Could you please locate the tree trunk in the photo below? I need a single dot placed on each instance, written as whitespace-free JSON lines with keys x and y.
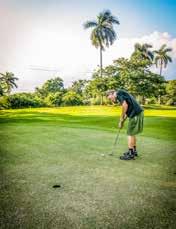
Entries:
{"x":101,"y":61}
{"x":159,"y":99}
{"x":101,"y":99}
{"x":161,"y":67}
{"x":143,"y":100}
{"x":139,"y":98}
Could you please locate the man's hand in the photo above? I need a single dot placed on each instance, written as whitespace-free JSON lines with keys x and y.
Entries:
{"x":121,"y":124}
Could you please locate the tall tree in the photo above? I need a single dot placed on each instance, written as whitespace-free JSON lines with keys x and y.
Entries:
{"x":103,"y":33}
{"x":162,"y":58}
{"x":8,"y":81}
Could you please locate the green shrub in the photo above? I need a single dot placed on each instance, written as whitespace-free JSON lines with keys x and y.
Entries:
{"x":171,"y":102}
{"x":4,"y":103}
{"x":71,"y":98}
{"x":54,"y":99}
{"x":22,"y":100}
{"x":97,"y":101}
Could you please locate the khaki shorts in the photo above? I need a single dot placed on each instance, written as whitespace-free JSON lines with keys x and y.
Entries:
{"x":135,"y":124}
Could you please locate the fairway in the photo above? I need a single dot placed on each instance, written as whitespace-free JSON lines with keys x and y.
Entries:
{"x":43,"y":147}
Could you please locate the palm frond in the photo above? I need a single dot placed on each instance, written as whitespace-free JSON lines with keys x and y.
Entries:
{"x":2,"y":75}
{"x":169,"y":59}
{"x":150,"y":55}
{"x":137,"y":46}
{"x":90,"y":24}
{"x":168,"y":50}
{"x":156,"y":51}
{"x":114,"y":20}
{"x":97,"y":38}
{"x":13,"y":84}
{"x":147,"y":46}
{"x":162,"y":47}
{"x":111,"y":35}
{"x":165,"y":61}
{"x":106,"y":13}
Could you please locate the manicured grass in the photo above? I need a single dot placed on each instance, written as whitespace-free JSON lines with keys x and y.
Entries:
{"x":47,"y":146}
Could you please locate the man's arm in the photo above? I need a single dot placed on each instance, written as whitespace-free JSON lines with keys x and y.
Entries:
{"x":123,"y":116}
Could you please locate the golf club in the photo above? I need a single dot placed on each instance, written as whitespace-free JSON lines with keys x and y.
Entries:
{"x":115,"y":143}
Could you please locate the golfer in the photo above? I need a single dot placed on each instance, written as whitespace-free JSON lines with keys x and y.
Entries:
{"x":134,"y":112}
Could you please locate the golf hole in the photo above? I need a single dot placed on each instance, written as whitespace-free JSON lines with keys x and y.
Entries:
{"x":57,"y":186}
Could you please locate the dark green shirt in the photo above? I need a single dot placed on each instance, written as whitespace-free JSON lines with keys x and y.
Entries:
{"x":133,"y":107}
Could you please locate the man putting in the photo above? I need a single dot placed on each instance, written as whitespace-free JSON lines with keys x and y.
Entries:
{"x":132,"y":110}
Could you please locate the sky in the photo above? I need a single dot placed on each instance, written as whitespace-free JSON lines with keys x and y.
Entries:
{"x":42,"y":39}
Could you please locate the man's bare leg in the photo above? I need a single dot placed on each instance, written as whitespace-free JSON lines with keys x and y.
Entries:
{"x":131,"y":142}
{"x":130,"y":154}
{"x":134,"y":143}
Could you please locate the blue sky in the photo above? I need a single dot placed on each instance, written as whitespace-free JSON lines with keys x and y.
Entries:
{"x":146,"y":15}
{"x":49,"y":34}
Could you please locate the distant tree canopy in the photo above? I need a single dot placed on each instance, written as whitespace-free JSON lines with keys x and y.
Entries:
{"x":79,"y":86}
{"x":170,"y":96}
{"x":50,"y":86}
{"x":137,"y":78}
{"x":133,"y":74}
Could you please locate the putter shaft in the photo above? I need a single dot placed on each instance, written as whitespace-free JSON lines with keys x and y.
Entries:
{"x":115,"y":143}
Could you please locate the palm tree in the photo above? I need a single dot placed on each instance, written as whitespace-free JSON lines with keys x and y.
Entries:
{"x":162,"y":58}
{"x":103,"y":34}
{"x":8,"y":81}
{"x":144,"y":51}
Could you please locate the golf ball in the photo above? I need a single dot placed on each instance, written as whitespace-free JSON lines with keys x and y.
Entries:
{"x":102,"y":155}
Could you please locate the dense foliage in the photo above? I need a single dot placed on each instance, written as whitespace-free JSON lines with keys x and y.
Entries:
{"x":133,"y":74}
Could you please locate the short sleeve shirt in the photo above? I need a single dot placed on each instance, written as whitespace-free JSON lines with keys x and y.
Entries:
{"x":133,"y":106}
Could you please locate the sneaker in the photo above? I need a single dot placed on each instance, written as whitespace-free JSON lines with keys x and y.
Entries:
{"x":135,"y":153}
{"x":127,"y":156}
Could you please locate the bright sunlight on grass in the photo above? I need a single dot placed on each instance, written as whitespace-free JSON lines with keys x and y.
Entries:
{"x":46,"y":146}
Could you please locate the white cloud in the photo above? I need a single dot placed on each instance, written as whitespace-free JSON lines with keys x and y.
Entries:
{"x":28,"y":39}
{"x":125,"y":46}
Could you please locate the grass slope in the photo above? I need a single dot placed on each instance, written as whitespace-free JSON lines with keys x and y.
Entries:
{"x":47,"y":146}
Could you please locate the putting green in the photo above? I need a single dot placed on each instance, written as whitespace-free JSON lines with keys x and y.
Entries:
{"x":43,"y":147}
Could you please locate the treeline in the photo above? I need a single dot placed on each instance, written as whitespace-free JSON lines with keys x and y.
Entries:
{"x":133,"y":74}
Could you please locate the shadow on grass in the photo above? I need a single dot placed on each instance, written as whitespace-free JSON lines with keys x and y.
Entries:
{"x":156,"y":127}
